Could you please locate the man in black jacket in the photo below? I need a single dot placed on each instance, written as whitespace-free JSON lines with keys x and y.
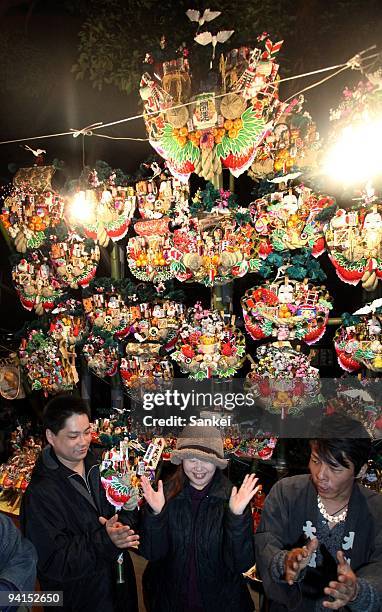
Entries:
{"x":65,"y":513}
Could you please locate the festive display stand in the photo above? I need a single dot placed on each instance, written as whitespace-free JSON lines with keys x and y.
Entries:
{"x":141,"y":332}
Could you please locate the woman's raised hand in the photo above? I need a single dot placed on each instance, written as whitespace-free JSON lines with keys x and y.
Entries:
{"x":155,"y":499}
{"x":240,"y":498}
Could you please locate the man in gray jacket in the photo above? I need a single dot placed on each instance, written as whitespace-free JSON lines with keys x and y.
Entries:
{"x":319,"y":542}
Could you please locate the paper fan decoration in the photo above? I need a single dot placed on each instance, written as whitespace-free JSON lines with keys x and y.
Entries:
{"x":148,"y":254}
{"x":31,"y":207}
{"x":49,"y":364}
{"x":285,"y":219}
{"x":287,"y":309}
{"x":354,"y":244}
{"x":209,"y":345}
{"x":283,"y":380}
{"x":75,"y":260}
{"x":101,"y":352}
{"x":358,"y":342}
{"x":36,"y":282}
{"x":212,"y":131}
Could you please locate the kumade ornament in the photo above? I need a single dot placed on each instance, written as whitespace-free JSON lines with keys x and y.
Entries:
{"x":209,"y":345}
{"x":101,"y":352}
{"x":215,"y":244}
{"x":292,"y":145}
{"x":283,"y":380}
{"x":285,"y":219}
{"x":74,"y":259}
{"x":286,"y":309}
{"x":109,"y":210}
{"x":358,"y":341}
{"x":36,"y":282}
{"x":31,"y":207}
{"x":353,"y":240}
{"x":148,"y":254}
{"x":161,"y":196}
{"x":202,"y":130}
{"x":106,"y":309}
{"x":48,"y":363}
{"x":145,"y":369}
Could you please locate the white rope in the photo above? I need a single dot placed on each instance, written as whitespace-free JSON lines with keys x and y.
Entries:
{"x":353,"y":63}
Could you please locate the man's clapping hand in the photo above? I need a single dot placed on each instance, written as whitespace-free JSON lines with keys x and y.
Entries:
{"x":297,"y":559}
{"x":121,"y":535}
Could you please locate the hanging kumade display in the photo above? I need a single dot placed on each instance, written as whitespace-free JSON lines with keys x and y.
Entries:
{"x":32,"y":207}
{"x":48,"y":363}
{"x":36,"y":282}
{"x":354,"y":244}
{"x":148,"y":254}
{"x":211,"y":130}
{"x":283,"y":380}
{"x":285,"y":219}
{"x":287,"y":309}
{"x":101,"y":352}
{"x":209,"y":345}
{"x":75,"y":260}
{"x":106,"y":309}
{"x":358,"y":341}
{"x":159,"y":322}
{"x":216,"y":244}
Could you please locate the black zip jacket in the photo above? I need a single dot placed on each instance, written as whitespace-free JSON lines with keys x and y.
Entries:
{"x":223,"y":550}
{"x":59,"y":514}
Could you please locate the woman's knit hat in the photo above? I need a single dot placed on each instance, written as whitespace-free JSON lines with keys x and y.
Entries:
{"x":203,"y":442}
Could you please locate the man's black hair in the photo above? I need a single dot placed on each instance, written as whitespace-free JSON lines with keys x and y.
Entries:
{"x":61,"y":408}
{"x":342,"y":440}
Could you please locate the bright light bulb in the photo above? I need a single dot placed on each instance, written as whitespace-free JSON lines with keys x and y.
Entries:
{"x":356,"y":156}
{"x":82,"y":207}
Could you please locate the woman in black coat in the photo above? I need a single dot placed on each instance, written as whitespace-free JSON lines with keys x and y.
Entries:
{"x":197,"y":534}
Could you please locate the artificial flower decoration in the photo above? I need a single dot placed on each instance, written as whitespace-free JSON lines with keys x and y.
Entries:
{"x":101,"y":352}
{"x":216,"y":244}
{"x":37,"y":283}
{"x":287,"y":309}
{"x":285,"y":219}
{"x":283,"y":380}
{"x":209,"y":345}
{"x":358,"y":341}
{"x":203,"y":132}
{"x":31,"y":207}
{"x":48,"y":362}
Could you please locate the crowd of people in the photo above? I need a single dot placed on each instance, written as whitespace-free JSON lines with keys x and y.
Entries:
{"x":318,"y":545}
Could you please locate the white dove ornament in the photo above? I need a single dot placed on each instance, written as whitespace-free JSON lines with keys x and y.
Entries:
{"x":201,"y":19}
{"x":206,"y":38}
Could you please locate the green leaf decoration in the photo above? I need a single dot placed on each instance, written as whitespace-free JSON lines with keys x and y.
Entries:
{"x":173,"y":150}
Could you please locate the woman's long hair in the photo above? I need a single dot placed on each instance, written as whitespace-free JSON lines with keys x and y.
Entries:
{"x":175,"y":483}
